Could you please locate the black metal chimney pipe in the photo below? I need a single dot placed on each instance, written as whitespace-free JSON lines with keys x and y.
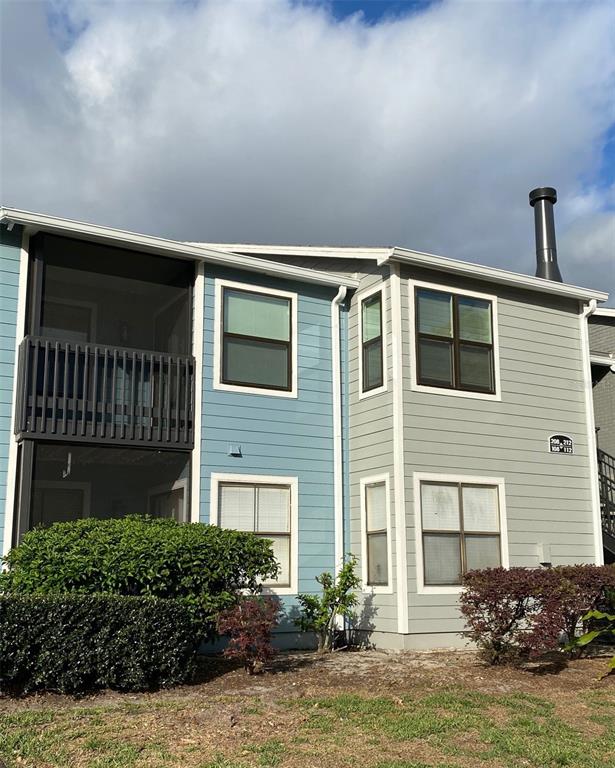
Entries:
{"x":542,"y":201}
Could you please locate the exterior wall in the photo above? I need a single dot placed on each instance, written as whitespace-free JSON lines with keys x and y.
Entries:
{"x":602,"y":340}
{"x":371,"y":451}
{"x":548,"y":497}
{"x":280,"y":436}
{"x":10,"y":247}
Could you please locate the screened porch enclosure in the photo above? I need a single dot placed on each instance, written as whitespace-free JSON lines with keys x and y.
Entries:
{"x":76,"y":481}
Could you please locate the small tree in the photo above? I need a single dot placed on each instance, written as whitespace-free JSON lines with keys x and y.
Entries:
{"x":249,"y":625}
{"x":319,"y":613}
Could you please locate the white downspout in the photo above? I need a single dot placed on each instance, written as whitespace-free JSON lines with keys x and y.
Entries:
{"x":586,"y":313}
{"x":338,"y":468}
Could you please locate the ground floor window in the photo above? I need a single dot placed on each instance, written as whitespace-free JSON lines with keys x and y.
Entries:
{"x":61,"y":481}
{"x":264,"y":506}
{"x":376,"y":532}
{"x":460,"y":528}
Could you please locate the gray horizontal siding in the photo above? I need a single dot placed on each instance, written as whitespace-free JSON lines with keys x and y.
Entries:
{"x":548,"y":497}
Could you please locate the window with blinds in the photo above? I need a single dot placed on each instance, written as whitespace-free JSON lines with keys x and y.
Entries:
{"x":376,"y":534}
{"x":454,"y":341}
{"x":460,"y":530}
{"x":371,"y":338}
{"x":263,"y":510}
{"x":256,"y":340}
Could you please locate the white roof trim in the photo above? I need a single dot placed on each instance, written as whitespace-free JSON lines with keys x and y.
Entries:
{"x":317,"y":251}
{"x":494,"y":275}
{"x":607,"y":360}
{"x":605,"y":312}
{"x":163,"y":247}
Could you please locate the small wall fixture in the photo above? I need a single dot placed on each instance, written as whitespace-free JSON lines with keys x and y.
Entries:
{"x":544,"y":554}
{"x":234,"y":450}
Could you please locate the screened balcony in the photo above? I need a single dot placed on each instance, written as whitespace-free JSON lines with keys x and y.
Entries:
{"x":106,"y":394}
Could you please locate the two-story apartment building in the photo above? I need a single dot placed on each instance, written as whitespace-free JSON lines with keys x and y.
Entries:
{"x":427,"y":414}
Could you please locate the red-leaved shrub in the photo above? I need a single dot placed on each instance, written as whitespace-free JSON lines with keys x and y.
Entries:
{"x":521,"y":612}
{"x":249,"y":625}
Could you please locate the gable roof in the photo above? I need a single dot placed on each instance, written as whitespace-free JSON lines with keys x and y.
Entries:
{"x":172,"y":248}
{"x":386,"y":255}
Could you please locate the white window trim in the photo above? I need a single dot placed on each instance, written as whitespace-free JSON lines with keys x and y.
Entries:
{"x":420,"y":477}
{"x":86,"y":487}
{"x":217,"y":382}
{"x":414,"y":385}
{"x":156,"y":490}
{"x":293,"y":482}
{"x":366,"y":588}
{"x":360,"y":298}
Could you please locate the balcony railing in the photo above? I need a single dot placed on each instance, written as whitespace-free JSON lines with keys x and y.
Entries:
{"x":606,"y":478}
{"x":98,"y":393}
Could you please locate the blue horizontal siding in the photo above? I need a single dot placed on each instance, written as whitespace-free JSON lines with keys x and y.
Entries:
{"x":279,"y":435}
{"x":10,"y":253}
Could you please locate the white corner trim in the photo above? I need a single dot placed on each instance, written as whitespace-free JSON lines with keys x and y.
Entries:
{"x":585,"y":312}
{"x":359,"y":299}
{"x":338,"y":459}
{"x":401,"y":542}
{"x":198,"y":321}
{"x":368,"y":589}
{"x":11,"y":473}
{"x":293,"y":483}
{"x":217,"y":372}
{"x":414,"y":385}
{"x":418,"y":478}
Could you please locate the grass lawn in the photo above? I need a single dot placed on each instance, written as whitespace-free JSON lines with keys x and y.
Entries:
{"x":363,"y":709}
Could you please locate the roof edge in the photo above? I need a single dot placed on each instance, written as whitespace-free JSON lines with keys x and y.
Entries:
{"x":495,"y":275}
{"x":317,"y":251}
{"x":165,"y":247}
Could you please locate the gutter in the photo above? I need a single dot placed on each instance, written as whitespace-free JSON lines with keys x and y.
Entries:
{"x":163,"y":247}
{"x":338,"y":468}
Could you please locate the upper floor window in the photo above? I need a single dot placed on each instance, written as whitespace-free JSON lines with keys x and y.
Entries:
{"x":256,"y":339}
{"x":454,"y":341}
{"x":371,"y":343}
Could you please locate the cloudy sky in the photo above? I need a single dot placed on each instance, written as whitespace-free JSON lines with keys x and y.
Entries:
{"x":421,"y":124}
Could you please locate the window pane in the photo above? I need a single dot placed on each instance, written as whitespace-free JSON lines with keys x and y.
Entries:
{"x":281,"y":552}
{"x":442,"y":559}
{"x":372,"y":365}
{"x":436,"y":362}
{"x":440,"y":505}
{"x":273,"y":510}
{"x":475,"y":364}
{"x":435,"y":312}
{"x":372,"y":318}
{"x":255,"y":314}
{"x":168,"y":504}
{"x":474,"y":319}
{"x":375,"y":502}
{"x":482,"y":552}
{"x":480,"y":508}
{"x":258,"y":363}
{"x":377,"y":559}
{"x":237,"y":507}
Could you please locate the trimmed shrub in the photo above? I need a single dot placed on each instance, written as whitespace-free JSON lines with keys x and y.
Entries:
{"x":204,"y":565}
{"x":76,"y":643}
{"x":249,"y":625}
{"x":520,"y":612}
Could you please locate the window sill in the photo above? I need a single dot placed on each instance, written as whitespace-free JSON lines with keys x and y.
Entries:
{"x":369,"y":590}
{"x":372,"y":392}
{"x":445,"y":590}
{"x":255,"y":390}
{"x":279,"y":591}
{"x":496,"y":397}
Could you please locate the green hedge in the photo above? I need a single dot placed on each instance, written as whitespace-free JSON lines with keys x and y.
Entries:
{"x":202,"y":564}
{"x":76,"y":643}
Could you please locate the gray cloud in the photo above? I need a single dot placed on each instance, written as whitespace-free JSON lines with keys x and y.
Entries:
{"x":271,"y":122}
